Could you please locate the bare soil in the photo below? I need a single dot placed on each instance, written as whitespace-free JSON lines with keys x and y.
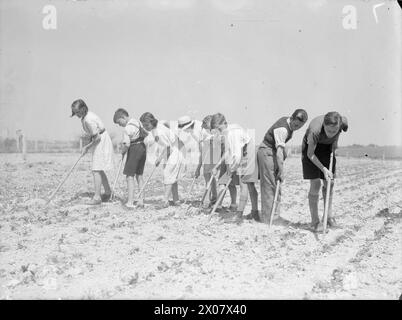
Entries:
{"x":69,"y":250}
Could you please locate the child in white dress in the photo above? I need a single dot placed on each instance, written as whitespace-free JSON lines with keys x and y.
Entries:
{"x":169,"y":148}
{"x":101,"y":147}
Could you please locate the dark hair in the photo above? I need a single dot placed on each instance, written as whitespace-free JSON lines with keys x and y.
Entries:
{"x":206,"y":122}
{"x":217,"y":119}
{"x":300,"y":114}
{"x":120,"y":113}
{"x":332,"y":118}
{"x":80,"y":105}
{"x":149,"y":117}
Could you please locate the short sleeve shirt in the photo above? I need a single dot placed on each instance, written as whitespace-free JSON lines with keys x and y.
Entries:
{"x":92,"y":124}
{"x":316,"y":134}
{"x":280,"y":135}
{"x":131,"y":131}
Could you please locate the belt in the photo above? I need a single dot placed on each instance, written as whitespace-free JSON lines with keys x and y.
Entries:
{"x":266,"y":145}
{"x":100,"y":132}
{"x":136,"y":141}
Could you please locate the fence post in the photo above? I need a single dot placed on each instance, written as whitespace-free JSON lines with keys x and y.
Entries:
{"x":24,"y":147}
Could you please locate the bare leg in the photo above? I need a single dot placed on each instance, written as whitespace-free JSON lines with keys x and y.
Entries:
{"x":207,"y":176}
{"x":168,"y":191}
{"x":130,"y":188}
{"x":175,"y":192}
{"x":105,"y":182}
{"x":98,"y":184}
{"x":313,"y":195}
{"x":214,"y":193}
{"x":233,"y":195}
{"x":140,"y":182}
{"x":243,"y":197}
{"x":253,"y":196}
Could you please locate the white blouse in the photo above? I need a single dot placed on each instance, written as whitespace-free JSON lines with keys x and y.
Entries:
{"x":92,"y":124}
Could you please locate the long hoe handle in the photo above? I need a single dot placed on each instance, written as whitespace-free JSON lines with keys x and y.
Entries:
{"x":117,"y":176}
{"x":189,"y":190}
{"x":327,"y":196}
{"x":146,"y":182}
{"x":220,"y":198}
{"x":192,"y":183}
{"x":278,"y":185}
{"x":64,"y":180}
{"x":206,"y":190}
{"x":210,"y":182}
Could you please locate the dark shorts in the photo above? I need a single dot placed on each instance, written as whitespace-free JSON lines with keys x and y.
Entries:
{"x":323,"y":153}
{"x":135,"y":163}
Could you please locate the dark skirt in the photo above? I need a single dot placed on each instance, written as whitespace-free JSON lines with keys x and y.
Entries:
{"x":323,"y":153}
{"x":135,"y":163}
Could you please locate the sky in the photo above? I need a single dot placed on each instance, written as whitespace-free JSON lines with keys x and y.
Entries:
{"x":254,"y":61}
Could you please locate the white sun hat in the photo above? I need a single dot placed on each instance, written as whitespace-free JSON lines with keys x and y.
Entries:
{"x":185,"y":122}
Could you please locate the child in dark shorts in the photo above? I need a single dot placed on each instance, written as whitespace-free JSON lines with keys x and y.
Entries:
{"x":320,"y":140}
{"x":133,"y":145}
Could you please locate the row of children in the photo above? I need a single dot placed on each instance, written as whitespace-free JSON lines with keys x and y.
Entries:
{"x":227,"y":153}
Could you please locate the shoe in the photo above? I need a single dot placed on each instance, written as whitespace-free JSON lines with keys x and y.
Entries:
{"x":237,"y":218}
{"x":129,"y":205}
{"x":165,"y":205}
{"x":106,"y":197}
{"x":219,"y":209}
{"x":205,"y":206}
{"x":232,"y":207}
{"x":248,"y":217}
{"x":332,"y":223}
{"x":279,"y":221}
{"x":94,"y":202}
{"x":255,"y":215}
{"x":140,"y":205}
{"x":252,"y":216}
{"x":318,"y":227}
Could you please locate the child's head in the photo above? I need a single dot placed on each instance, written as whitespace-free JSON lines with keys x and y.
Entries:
{"x":206,"y":122}
{"x":121,"y":117}
{"x":218,"y":122}
{"x":148,"y":121}
{"x":298,"y":119}
{"x":332,"y":123}
{"x":79,"y":108}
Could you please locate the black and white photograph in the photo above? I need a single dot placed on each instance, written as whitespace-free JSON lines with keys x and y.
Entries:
{"x":200,"y":150}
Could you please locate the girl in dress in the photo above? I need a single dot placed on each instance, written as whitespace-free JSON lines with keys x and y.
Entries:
{"x":170,"y":149}
{"x":101,"y":147}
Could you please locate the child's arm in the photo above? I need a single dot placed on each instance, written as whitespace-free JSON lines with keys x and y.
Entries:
{"x":125,"y":142}
{"x":215,"y":169}
{"x":160,"y":157}
{"x":197,"y":171}
{"x":310,"y":154}
{"x":94,"y":141}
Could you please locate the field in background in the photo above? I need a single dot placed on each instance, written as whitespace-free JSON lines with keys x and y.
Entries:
{"x":72,"y":250}
{"x":10,"y":145}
